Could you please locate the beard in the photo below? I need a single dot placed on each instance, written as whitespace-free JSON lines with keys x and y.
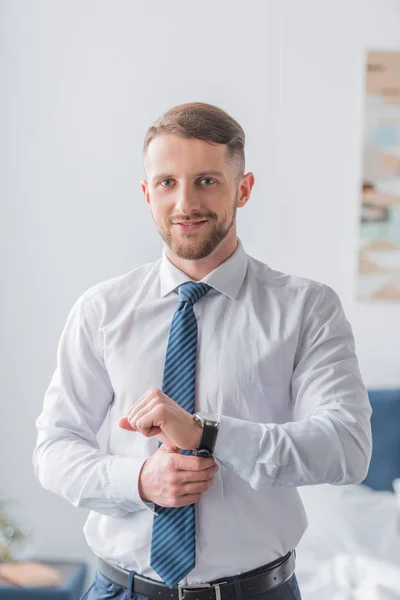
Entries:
{"x":197,"y":246}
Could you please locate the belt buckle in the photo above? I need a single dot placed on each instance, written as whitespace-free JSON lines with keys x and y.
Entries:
{"x":182,"y":586}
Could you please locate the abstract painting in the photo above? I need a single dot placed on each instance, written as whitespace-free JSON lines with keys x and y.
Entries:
{"x":379,"y":242}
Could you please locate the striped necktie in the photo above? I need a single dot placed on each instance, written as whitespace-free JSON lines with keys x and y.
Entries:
{"x":173,"y":537}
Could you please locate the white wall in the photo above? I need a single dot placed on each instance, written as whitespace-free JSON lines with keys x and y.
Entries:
{"x":318,"y":80}
{"x":81,"y":83}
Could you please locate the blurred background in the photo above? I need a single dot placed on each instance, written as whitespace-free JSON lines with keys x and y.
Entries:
{"x":81,"y":81}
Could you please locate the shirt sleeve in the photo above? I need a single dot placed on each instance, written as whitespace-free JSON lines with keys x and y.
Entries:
{"x":67,"y":459}
{"x":329,"y":439}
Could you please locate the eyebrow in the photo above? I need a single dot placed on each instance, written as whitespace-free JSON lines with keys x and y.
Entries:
{"x":201,"y":174}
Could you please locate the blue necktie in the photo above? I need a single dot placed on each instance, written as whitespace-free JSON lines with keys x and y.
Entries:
{"x":173,"y":537}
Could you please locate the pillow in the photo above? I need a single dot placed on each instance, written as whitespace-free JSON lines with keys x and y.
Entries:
{"x":385,"y":424}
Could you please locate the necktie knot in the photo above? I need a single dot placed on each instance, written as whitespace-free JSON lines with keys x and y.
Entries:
{"x":192,"y":292}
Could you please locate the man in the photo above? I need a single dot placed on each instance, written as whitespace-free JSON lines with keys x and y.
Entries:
{"x":227,"y":384}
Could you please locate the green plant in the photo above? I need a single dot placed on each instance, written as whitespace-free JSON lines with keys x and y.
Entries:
{"x":11,"y":535}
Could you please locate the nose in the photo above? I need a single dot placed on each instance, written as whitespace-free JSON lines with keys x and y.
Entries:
{"x":187,"y":200}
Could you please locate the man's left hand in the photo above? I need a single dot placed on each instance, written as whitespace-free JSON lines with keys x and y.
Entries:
{"x":155,"y":414}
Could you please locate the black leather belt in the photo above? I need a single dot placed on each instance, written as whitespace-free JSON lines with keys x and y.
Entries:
{"x":252,"y":583}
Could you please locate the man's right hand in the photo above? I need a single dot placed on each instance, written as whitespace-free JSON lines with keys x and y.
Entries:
{"x":171,"y":479}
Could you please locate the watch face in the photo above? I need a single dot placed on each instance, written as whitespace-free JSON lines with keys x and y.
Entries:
{"x":209,"y":416}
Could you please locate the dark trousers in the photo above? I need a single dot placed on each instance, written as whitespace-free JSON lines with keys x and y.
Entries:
{"x":102,"y":589}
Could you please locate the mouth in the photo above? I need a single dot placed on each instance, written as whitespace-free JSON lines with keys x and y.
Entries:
{"x":190,"y":225}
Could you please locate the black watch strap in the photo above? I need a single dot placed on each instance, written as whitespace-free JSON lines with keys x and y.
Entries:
{"x":207,"y":442}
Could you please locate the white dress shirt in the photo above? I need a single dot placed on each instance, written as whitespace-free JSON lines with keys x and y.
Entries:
{"x":275,"y":360}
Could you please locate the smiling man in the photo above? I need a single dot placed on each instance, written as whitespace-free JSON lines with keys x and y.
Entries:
{"x":228,"y":385}
{"x":194,"y":189}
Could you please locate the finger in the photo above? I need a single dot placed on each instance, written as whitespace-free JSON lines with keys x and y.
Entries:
{"x":194,"y":463}
{"x":138,"y":404}
{"x":124,"y":424}
{"x":186,"y":500}
{"x":142,"y":406}
{"x":198,"y":487}
{"x":139,"y":413}
{"x":197,"y":476}
{"x":154,"y":431}
{"x":147,"y":422}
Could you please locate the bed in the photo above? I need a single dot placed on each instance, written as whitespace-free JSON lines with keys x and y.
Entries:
{"x":351,"y":549}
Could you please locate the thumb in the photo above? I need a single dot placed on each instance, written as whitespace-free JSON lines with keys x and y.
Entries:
{"x":124,"y":424}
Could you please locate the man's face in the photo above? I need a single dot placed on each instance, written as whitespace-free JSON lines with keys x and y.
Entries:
{"x":190,"y":180}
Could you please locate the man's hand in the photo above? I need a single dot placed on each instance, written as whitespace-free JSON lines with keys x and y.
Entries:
{"x":171,"y":479}
{"x":155,"y":414}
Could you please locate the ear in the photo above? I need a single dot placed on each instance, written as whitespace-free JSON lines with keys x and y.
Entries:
{"x":246,"y":186}
{"x":145,"y":190}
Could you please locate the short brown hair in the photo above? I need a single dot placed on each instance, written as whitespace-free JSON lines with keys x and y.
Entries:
{"x":204,"y":122}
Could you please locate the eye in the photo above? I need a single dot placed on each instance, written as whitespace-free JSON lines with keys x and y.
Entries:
{"x":202,"y":179}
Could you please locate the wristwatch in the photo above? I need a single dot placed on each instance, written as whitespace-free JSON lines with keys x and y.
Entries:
{"x":210,"y":424}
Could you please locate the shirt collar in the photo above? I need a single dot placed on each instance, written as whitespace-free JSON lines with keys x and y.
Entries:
{"x":227,"y":278}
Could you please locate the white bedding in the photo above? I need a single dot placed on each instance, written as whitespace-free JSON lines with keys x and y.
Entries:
{"x":351,"y":549}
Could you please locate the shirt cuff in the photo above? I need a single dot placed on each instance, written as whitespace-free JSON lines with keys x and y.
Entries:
{"x":151,"y":506}
{"x":237,"y":444}
{"x":124,"y":479}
